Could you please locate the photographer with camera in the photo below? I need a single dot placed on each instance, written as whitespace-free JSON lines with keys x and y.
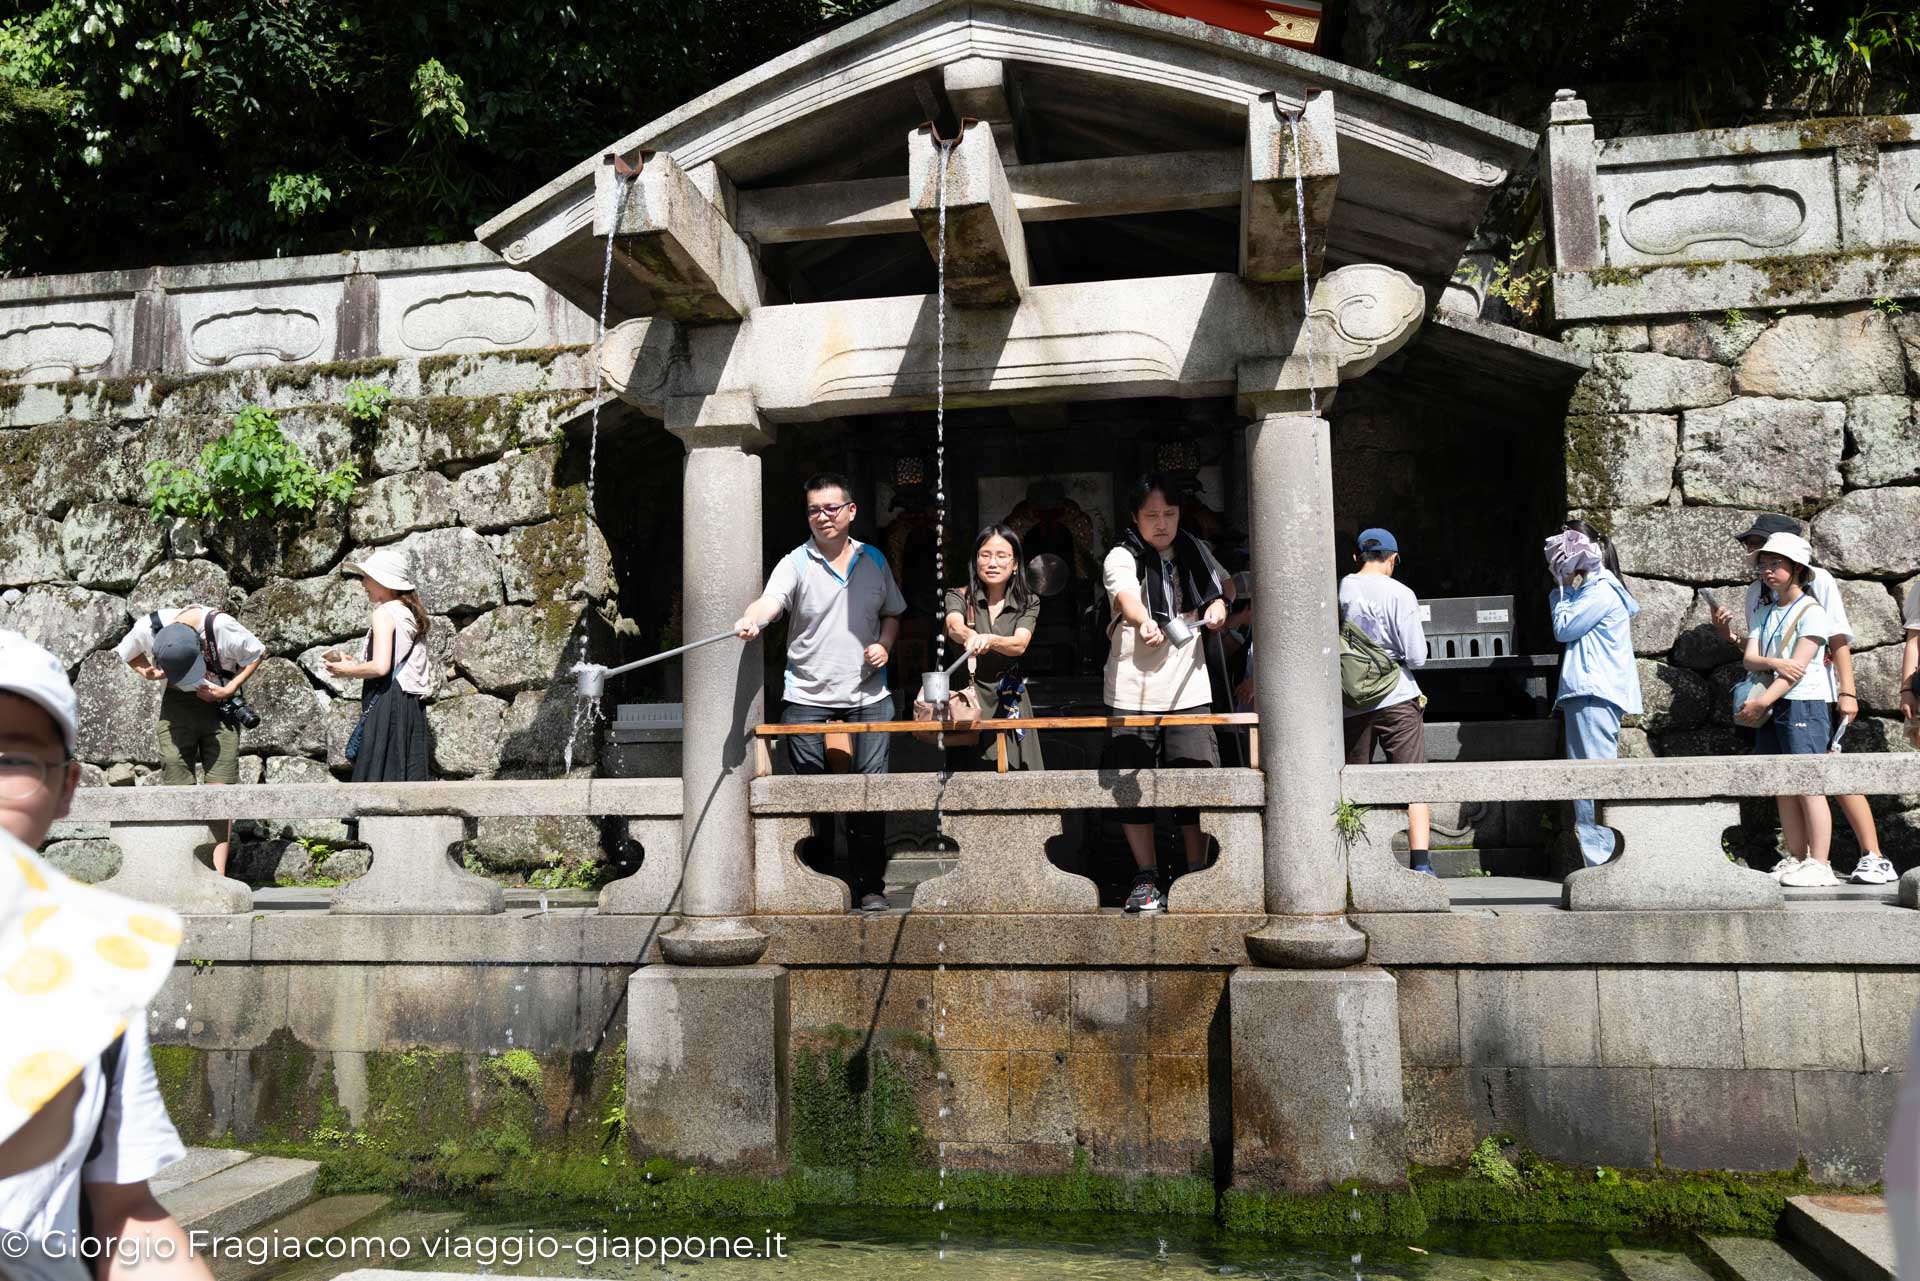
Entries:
{"x":205,"y":656}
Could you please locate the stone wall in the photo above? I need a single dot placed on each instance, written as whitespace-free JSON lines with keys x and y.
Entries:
{"x":471,"y":470}
{"x":1687,"y":426}
{"x":1743,"y":1068}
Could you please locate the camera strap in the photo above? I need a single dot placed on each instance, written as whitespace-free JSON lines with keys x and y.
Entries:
{"x":208,"y":650}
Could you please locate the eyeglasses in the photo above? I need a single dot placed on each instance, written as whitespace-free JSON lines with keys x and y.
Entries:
{"x":829,"y":510}
{"x":22,"y":776}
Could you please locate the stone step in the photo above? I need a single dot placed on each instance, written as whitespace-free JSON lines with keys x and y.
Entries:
{"x":416,"y":1227}
{"x":239,"y":1199}
{"x":1851,"y":1235}
{"x":1658,"y":1265}
{"x":322,"y":1219}
{"x":197,"y":1164}
{"x":1755,"y":1259}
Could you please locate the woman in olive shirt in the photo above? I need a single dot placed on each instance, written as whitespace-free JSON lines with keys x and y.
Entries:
{"x":993,"y":618}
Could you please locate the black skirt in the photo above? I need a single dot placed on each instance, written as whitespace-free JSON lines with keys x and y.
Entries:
{"x":394,"y":747}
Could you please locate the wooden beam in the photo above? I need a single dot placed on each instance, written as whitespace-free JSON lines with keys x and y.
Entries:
{"x":1162,"y":183}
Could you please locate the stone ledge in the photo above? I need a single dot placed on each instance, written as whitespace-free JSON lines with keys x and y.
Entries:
{"x":580,"y":936}
{"x":539,"y":798}
{"x":1677,"y":288}
{"x":1663,"y":778}
{"x":1870,"y":935}
{"x":981,"y":793}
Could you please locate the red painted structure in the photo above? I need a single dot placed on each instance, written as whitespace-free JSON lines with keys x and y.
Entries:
{"x":1295,"y":22}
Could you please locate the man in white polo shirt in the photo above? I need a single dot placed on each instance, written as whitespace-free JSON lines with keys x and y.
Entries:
{"x":846,"y":613}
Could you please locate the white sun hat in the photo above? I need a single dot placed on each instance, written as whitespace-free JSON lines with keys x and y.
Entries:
{"x":388,"y":566}
{"x":76,"y":966}
{"x":29,"y":670}
{"x":1792,"y":546}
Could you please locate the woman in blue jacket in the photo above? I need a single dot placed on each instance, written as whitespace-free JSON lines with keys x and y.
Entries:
{"x":1599,"y":682}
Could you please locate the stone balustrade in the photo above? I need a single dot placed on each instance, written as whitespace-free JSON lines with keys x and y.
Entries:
{"x":1002,"y":824}
{"x":213,"y":318}
{"x":1670,"y":812}
{"x":410,"y":827}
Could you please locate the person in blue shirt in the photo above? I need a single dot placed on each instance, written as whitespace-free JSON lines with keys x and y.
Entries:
{"x":1599,"y":681}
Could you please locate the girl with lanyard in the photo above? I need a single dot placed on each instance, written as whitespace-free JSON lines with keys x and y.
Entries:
{"x":1788,"y":703}
{"x":993,"y":618}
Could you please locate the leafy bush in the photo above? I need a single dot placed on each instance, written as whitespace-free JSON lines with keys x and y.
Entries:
{"x":367,"y":402}
{"x":250,"y":472}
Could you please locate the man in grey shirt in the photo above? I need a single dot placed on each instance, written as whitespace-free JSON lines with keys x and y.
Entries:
{"x":1389,"y":613}
{"x":845,"y":611}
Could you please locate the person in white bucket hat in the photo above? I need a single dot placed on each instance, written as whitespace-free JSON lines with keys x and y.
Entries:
{"x":389,"y":743}
{"x":1785,"y":696}
{"x":80,"y":1109}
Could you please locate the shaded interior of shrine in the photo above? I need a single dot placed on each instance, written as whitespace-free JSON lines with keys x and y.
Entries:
{"x":1461,"y":464}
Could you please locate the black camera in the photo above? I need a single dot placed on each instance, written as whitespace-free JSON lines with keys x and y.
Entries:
{"x":236,"y":711}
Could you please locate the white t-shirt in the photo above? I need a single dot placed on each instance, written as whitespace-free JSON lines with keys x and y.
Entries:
{"x":1827,"y":593}
{"x":411,"y":662}
{"x":1910,"y":612}
{"x":1389,"y":613}
{"x":235,"y":645}
{"x":1781,"y":628}
{"x":137,"y":1142}
{"x":1152,"y":678}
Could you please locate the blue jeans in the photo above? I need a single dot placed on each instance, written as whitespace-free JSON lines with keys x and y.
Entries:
{"x":1593,"y":734}
{"x":866,"y":833}
{"x":1799,"y":728}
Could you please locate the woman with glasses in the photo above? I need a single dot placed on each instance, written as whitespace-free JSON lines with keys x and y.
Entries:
{"x":993,"y":618}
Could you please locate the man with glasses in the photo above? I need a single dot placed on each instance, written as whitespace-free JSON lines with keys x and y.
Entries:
{"x":117,"y":1133}
{"x":846,"y":611}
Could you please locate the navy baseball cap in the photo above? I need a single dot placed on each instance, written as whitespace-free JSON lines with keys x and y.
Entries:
{"x":176,"y":651}
{"x":1377,"y":540}
{"x":1767,"y":524}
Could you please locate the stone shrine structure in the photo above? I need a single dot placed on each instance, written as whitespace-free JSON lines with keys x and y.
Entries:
{"x":1129,"y":198}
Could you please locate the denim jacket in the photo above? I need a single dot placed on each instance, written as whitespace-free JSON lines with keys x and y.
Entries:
{"x":1594,"y":622}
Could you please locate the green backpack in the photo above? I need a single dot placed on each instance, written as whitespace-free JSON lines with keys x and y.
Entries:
{"x":1368,"y":673}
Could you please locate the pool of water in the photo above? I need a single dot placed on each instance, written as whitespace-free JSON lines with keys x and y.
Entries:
{"x":863,"y":1245}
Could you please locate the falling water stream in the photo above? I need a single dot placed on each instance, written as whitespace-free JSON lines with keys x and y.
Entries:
{"x":1295,"y":122}
{"x":943,"y":156}
{"x":586,"y":711}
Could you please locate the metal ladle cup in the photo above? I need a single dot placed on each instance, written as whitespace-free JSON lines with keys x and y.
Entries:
{"x":1178,"y":630}
{"x":935,"y":687}
{"x":590,"y":679}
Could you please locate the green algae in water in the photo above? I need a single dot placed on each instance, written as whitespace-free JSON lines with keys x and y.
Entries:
{"x":856,"y":1244}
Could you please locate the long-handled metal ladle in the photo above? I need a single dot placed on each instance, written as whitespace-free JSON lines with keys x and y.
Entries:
{"x":591,"y":678}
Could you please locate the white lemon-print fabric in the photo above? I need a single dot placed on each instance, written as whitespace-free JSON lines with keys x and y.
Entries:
{"x":76,"y":965}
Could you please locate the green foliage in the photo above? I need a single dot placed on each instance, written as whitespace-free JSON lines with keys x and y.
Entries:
{"x":584,"y":874}
{"x":518,"y":1067}
{"x":1543,"y":1194}
{"x":1513,"y":282}
{"x":132,"y":128}
{"x":367,"y":402}
{"x":1488,"y":1162}
{"x":250,"y":472}
{"x":1734,"y":318}
{"x":1716,"y":62}
{"x":1349,"y":821}
{"x":1888,"y":307}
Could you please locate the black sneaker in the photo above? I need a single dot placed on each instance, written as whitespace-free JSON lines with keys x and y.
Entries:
{"x":1147,"y":896}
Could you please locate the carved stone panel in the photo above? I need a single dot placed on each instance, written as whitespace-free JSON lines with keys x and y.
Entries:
{"x":219,"y":330}
{"x":1742,"y":207}
{"x":50,"y":343}
{"x":487,"y":309}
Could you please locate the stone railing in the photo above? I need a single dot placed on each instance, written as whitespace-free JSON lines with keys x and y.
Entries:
{"x":410,"y":828}
{"x":1807,"y":211}
{"x":183,"y":321}
{"x":1002,"y":824}
{"x":1671,"y":813}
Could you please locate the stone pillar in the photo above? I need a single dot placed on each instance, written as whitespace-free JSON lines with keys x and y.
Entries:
{"x":1317,"y":1098}
{"x":1568,"y":164}
{"x":707,"y":1066}
{"x":413,"y":871}
{"x":1296,"y":616}
{"x":160,"y":863}
{"x":721,"y":690}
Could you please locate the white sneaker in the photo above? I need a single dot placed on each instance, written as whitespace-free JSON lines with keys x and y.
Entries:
{"x":1872,"y":869}
{"x":1811,"y":874}
{"x":1785,"y":865}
